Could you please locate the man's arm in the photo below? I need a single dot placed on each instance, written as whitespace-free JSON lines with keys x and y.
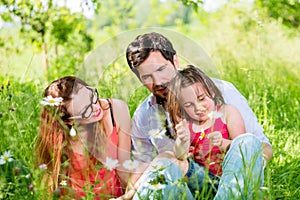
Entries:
{"x":267,"y":151}
{"x":141,"y":146}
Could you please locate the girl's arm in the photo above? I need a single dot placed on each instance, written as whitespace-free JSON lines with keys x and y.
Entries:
{"x":235,"y":125}
{"x":234,"y":121}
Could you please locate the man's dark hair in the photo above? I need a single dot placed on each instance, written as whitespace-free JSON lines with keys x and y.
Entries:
{"x":138,"y":50}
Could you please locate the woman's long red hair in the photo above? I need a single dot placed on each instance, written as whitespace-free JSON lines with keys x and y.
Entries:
{"x":52,"y":146}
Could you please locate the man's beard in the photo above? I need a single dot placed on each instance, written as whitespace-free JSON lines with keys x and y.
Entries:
{"x":161,"y":98}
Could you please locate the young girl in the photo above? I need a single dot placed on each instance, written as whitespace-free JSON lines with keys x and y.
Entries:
{"x":196,"y":105}
{"x":83,"y":140}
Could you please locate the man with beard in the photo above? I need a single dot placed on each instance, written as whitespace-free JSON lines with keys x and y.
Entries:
{"x":153,"y":59}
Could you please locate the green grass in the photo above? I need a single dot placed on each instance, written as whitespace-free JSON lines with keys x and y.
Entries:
{"x":263,"y":63}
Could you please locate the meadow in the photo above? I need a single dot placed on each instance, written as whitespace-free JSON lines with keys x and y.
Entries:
{"x":262,"y":61}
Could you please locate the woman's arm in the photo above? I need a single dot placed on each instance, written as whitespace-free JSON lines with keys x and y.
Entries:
{"x":122,"y":118}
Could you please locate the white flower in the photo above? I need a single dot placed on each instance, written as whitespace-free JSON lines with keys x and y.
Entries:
{"x":43,"y":167}
{"x":131,"y":164}
{"x":49,"y":100}
{"x":202,"y":134}
{"x":6,"y":157}
{"x":157,"y":186}
{"x":63,"y":183}
{"x":111,"y":163}
{"x":156,"y":133}
{"x":215,"y":115}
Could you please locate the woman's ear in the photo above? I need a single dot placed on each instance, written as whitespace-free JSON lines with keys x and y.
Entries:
{"x":69,"y":123}
{"x":176,"y":62}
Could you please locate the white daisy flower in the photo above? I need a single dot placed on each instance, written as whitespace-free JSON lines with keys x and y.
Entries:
{"x":43,"y":167}
{"x":202,"y":135}
{"x":49,"y":100}
{"x":157,"y":186}
{"x":215,"y":115}
{"x":63,"y":183}
{"x":131,"y":164}
{"x":111,"y":163}
{"x":156,"y":133}
{"x":6,"y":157}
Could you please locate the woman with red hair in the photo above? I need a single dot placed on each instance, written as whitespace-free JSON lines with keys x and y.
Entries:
{"x":83,"y":141}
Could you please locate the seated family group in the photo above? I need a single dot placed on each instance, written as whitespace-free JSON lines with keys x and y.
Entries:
{"x":193,"y":137}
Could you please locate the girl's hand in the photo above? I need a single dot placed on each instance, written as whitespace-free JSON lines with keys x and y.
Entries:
{"x":216,"y":138}
{"x":182,"y":143}
{"x":182,"y":131}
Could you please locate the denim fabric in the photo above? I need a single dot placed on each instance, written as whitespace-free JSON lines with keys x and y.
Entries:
{"x":242,"y":169}
{"x":241,"y":179}
{"x":175,"y":186}
{"x":201,"y":182}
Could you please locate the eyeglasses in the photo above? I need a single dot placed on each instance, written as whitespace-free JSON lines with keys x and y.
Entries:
{"x":89,"y":110}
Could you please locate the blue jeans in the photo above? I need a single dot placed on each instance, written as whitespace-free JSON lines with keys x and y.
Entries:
{"x":169,"y":175}
{"x":242,"y":167}
{"x":202,"y":183}
{"x":242,"y":176}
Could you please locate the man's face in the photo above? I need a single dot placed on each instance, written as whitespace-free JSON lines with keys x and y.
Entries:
{"x":156,"y":72}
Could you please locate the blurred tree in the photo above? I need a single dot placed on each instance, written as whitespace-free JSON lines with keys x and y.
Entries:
{"x":167,"y":13}
{"x":194,"y":3}
{"x":287,"y":11}
{"x":142,"y":13}
{"x":43,"y":24}
{"x":115,"y":16}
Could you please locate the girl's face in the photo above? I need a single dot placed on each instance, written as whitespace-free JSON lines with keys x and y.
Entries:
{"x":196,"y":103}
{"x":84,"y":106}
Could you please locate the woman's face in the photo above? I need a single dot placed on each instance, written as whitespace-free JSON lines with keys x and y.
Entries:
{"x":84,"y":106}
{"x":196,"y":103}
